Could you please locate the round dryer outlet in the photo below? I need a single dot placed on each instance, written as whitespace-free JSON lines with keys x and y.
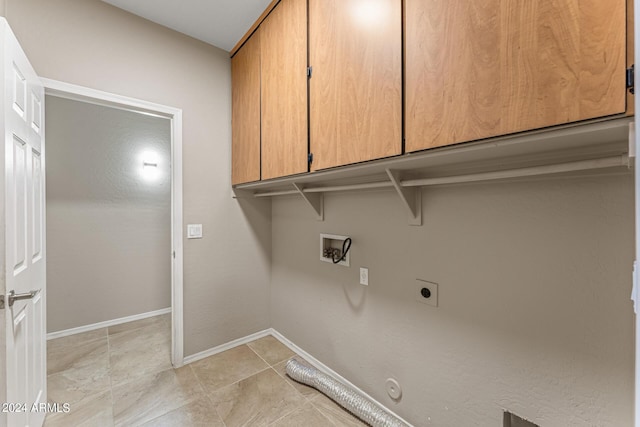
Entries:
{"x":393,"y":388}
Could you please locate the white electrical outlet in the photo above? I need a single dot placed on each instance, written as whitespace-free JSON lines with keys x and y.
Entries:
{"x":364,"y":276}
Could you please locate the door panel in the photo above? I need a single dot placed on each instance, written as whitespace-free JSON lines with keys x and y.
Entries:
{"x":18,"y":214}
{"x":37,"y":207}
{"x":19,"y":92}
{"x":19,"y":364}
{"x":36,"y":113}
{"x":38,"y":369}
{"x":476,"y":69}
{"x":356,"y":89}
{"x":24,"y":170}
{"x":283,"y":40}
{"x":245,"y":88}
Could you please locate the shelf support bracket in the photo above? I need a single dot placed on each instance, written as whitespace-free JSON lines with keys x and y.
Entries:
{"x":241,"y":194}
{"x":411,"y":198}
{"x":315,"y":200}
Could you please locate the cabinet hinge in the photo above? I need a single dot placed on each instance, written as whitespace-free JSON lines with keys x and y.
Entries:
{"x":631,"y":78}
{"x":310,"y":158}
{"x":309,"y":71}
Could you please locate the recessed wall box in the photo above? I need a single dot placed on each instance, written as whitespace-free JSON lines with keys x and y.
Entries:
{"x":331,"y":247}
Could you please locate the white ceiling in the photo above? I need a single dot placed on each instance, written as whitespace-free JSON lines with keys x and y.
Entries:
{"x":218,"y":22}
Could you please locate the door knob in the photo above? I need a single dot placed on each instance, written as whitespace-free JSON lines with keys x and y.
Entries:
{"x":13,"y":297}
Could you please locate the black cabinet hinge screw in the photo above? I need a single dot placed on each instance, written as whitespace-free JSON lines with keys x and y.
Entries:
{"x":309,"y":71}
{"x":310,"y":158}
{"x":631,"y":79}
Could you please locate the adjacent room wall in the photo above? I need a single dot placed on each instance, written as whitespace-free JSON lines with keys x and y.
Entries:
{"x":108,"y":218}
{"x":534,"y":312}
{"x":93,"y":44}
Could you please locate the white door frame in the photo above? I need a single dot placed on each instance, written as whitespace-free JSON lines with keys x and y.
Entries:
{"x":84,"y":94}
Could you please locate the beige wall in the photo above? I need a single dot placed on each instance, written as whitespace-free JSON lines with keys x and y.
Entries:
{"x":89,"y":43}
{"x":108,"y":222}
{"x":534,"y":286}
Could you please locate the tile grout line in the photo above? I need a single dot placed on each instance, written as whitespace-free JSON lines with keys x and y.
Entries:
{"x":155,"y":373}
{"x":152,"y":372}
{"x":286,"y":414}
{"x":256,"y":353}
{"x":322,"y":414}
{"x":306,"y":400}
{"x":325,"y":411}
{"x":235,"y":382}
{"x":206,"y":396}
{"x":247,"y":377}
{"x":86,"y":397}
{"x":206,"y":393}
{"x":276,"y":371}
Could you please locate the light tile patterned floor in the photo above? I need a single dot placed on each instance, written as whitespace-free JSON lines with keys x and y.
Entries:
{"x":122,"y":376}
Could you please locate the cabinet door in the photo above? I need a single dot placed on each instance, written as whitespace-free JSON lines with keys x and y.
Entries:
{"x":245,"y":84}
{"x":284,"y":90}
{"x":355,"y":93}
{"x":476,"y":69}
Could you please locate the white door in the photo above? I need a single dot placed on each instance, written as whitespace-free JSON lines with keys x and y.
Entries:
{"x":24,"y":215}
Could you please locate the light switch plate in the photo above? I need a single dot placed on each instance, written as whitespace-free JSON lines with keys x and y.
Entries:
{"x":194,"y":231}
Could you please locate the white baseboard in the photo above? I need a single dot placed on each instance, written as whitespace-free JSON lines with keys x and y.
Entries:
{"x":326,"y":370}
{"x":106,"y":323}
{"x":227,"y":346}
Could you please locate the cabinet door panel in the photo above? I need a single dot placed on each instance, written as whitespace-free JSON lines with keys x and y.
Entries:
{"x":355,"y":49}
{"x":476,"y":69}
{"x":284,"y":90}
{"x":245,"y":77}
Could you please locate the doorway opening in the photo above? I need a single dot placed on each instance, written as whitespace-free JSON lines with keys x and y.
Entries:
{"x":144,"y":167}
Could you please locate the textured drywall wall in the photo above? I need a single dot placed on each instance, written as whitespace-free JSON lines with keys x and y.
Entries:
{"x":93,"y":44}
{"x":534,"y":313}
{"x":108,"y":218}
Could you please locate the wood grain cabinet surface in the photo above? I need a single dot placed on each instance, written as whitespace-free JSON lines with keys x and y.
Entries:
{"x":283,"y":41}
{"x":245,"y":112}
{"x":481,"y":68}
{"x":473,"y":69}
{"x":355,"y":92}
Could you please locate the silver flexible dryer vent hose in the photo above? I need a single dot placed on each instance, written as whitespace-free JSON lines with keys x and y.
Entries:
{"x":345,"y":396}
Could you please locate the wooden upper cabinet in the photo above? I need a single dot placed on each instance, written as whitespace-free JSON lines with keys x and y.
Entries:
{"x":355,"y":92}
{"x":476,"y":69}
{"x":283,"y":41}
{"x":245,"y":112}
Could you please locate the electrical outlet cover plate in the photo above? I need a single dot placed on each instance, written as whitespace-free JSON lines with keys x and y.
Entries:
{"x":364,"y":276}
{"x":433,"y":288}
